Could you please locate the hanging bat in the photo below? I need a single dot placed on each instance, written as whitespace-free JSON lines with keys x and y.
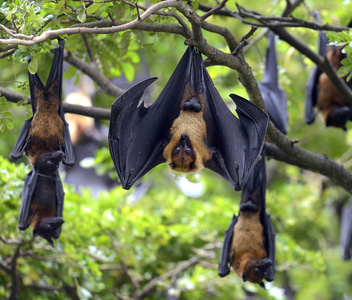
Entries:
{"x":274,"y":98}
{"x":312,"y":87}
{"x":249,"y":243}
{"x":42,"y":206}
{"x":189,"y":127}
{"x":321,"y":92}
{"x":330,"y":102}
{"x":45,"y":138}
{"x":346,"y":231}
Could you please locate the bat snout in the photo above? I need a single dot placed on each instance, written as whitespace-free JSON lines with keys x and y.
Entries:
{"x":185,"y":140}
{"x":48,"y":163}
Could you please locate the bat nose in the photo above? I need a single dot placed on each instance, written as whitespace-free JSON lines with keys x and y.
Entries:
{"x":184,"y":139}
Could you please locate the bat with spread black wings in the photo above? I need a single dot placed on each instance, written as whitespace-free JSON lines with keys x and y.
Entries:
{"x":189,"y":127}
{"x":249,"y":243}
{"x":273,"y":96}
{"x":42,"y":206}
{"x":45,"y":138}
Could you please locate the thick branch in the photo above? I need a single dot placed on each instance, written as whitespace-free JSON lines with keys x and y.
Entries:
{"x":105,"y":84}
{"x":52,"y":34}
{"x":182,"y":266}
{"x":318,"y":163}
{"x":94,"y":112}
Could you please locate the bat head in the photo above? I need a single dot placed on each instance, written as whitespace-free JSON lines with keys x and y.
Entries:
{"x":183,"y":156}
{"x":48,"y":163}
{"x":256,"y":270}
{"x":334,"y":55}
{"x":338,"y":117}
{"x":46,"y":228}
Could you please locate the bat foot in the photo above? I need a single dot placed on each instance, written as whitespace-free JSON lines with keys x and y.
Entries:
{"x":249,"y":206}
{"x":192,"y":104}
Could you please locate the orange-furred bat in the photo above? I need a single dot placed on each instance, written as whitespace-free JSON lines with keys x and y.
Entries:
{"x":322,"y":93}
{"x":249,"y":243}
{"x":42,"y":206}
{"x":45,"y":138}
{"x":189,"y":127}
{"x":335,"y":110}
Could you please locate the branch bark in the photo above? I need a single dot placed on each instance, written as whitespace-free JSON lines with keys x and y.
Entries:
{"x":94,"y":112}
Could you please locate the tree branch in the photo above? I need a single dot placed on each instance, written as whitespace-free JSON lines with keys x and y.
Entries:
{"x":294,"y":155}
{"x":53,"y":34}
{"x":105,"y":84}
{"x":94,"y":112}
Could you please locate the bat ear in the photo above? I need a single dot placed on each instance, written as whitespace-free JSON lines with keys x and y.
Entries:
{"x":244,"y":277}
{"x":262,"y":285}
{"x":51,"y":242}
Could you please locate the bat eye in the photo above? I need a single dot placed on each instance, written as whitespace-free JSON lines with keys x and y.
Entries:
{"x":188,"y":150}
{"x":49,"y":163}
{"x":178,"y":149}
{"x":256,"y":271}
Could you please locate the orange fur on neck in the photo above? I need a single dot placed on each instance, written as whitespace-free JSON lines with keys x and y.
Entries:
{"x":192,"y":124}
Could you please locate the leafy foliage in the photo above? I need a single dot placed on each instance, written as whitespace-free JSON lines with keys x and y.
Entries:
{"x":117,"y":243}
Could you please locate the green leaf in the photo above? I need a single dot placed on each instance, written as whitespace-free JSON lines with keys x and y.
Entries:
{"x":33,"y":66}
{"x":18,"y":55}
{"x":59,"y":5}
{"x":128,"y":70}
{"x":9,"y":125}
{"x":7,"y":114}
{"x":93,"y":8}
{"x":82,"y":17}
{"x":70,"y":72}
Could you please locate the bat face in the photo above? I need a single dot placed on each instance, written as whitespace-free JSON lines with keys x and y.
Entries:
{"x":183,"y":156}
{"x":48,"y":163}
{"x":256,"y":270}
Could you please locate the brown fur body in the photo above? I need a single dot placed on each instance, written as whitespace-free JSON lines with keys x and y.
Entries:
{"x":43,"y":202}
{"x":46,"y":130}
{"x":190,"y":123}
{"x":329,"y":97}
{"x":247,"y":244}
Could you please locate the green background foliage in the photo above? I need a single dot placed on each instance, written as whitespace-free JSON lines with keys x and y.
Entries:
{"x":149,"y":236}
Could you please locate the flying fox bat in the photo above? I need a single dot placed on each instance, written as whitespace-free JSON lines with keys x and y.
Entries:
{"x":45,"y":138}
{"x":249,"y":243}
{"x":189,"y":127}
{"x":346,"y":231}
{"x":312,"y":87}
{"x":321,"y":92}
{"x":42,"y":206}
{"x":274,"y":98}
{"x":330,"y":102}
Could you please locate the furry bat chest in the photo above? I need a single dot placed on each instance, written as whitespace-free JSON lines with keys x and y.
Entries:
{"x":247,"y":242}
{"x":186,"y":151}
